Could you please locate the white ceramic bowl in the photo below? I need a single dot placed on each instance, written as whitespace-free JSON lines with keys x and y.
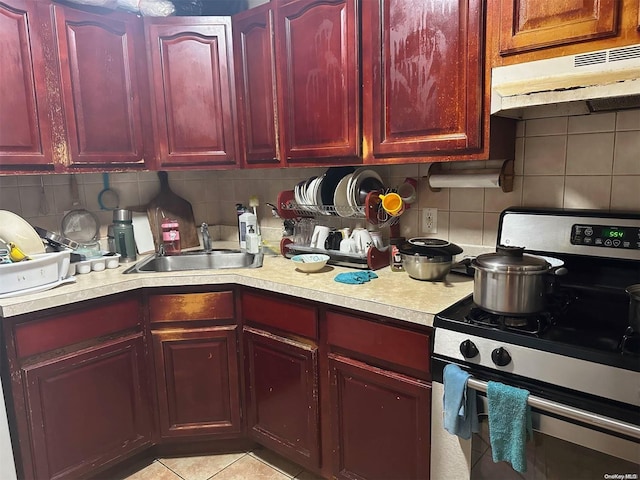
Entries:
{"x":310,"y":262}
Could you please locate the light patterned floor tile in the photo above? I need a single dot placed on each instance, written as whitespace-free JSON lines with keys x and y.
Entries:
{"x":200,"y":467}
{"x":249,"y":467}
{"x":155,"y":471}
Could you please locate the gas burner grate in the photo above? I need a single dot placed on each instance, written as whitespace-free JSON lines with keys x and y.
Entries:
{"x":531,"y":324}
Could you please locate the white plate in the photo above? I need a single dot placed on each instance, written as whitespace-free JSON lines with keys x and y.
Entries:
{"x":13,"y":228}
{"x":340,"y":198}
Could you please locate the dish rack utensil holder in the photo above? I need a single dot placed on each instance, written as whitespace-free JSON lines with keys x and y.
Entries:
{"x":371,"y":211}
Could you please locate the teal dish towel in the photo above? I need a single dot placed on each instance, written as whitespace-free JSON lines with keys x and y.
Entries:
{"x":460,"y":403}
{"x":509,"y":424}
{"x":355,"y":278}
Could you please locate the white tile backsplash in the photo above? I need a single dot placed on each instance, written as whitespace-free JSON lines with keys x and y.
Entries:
{"x":590,"y":161}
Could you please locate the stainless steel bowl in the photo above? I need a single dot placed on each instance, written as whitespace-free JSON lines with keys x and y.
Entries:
{"x":422,"y":267}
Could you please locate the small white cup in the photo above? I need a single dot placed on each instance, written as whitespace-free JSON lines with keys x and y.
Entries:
{"x":407,"y":192}
{"x":363,"y":240}
{"x":348,"y":245}
{"x":320,"y":234}
{"x":377,"y":239}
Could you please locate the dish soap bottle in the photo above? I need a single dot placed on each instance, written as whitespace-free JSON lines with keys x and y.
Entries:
{"x":246,"y":220}
{"x":171,"y":236}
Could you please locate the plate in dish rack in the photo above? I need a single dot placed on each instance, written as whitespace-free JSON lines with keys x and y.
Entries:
{"x":14,"y":228}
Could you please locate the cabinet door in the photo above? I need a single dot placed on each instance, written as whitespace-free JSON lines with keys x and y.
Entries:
{"x":192,"y":83}
{"x":317,"y":55}
{"x":253,"y":40}
{"x":103,"y":70}
{"x":88,"y":409}
{"x":197,"y":381}
{"x":25,"y":127}
{"x":380,"y":422}
{"x":282,"y":376}
{"x":533,"y":24}
{"x":423,"y":77}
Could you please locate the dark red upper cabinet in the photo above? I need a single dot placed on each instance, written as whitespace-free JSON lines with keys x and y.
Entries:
{"x":102,"y":66}
{"x":317,"y":56}
{"x":25,"y":127}
{"x":193,"y":90}
{"x":254,"y":50}
{"x":423,"y":68}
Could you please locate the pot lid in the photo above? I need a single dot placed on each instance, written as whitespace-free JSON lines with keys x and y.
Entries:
{"x":429,"y":247}
{"x":512,"y":259}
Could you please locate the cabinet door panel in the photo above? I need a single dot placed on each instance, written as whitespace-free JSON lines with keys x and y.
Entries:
{"x":193,"y":87}
{"x":88,"y":408}
{"x":425,"y":61}
{"x":532,"y":24}
{"x":254,"y":49}
{"x":25,"y":128}
{"x":283,"y":395}
{"x":103,"y":76}
{"x":319,"y":82}
{"x":380,"y":421}
{"x":198,"y":386}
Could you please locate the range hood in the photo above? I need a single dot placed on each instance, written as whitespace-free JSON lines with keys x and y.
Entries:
{"x":575,"y":84}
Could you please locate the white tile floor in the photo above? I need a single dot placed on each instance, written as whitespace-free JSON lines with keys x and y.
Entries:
{"x":259,"y":464}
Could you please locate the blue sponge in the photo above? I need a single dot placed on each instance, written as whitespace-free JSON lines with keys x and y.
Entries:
{"x":355,"y":278}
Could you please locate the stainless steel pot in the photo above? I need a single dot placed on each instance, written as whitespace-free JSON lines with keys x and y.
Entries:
{"x":634,"y":306}
{"x":428,"y":258}
{"x":510,"y":282}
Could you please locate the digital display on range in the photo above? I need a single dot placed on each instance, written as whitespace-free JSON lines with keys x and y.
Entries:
{"x":606,"y":236}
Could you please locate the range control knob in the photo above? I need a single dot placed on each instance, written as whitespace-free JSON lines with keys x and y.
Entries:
{"x":468,"y":349}
{"x":500,"y":357}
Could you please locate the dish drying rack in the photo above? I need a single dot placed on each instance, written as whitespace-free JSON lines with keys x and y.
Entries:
{"x":371,"y":211}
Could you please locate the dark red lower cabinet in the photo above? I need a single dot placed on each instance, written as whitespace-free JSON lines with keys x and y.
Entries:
{"x":197,"y":381}
{"x":282,"y":376}
{"x":87,"y":409}
{"x":380,"y":422}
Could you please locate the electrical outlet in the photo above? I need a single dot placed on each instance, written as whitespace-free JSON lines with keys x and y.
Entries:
{"x":429,"y":220}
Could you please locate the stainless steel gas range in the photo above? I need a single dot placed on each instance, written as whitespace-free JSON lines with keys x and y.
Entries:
{"x":578,"y":358}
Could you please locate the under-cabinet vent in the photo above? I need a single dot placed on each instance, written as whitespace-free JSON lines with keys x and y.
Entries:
{"x":606,"y":56}
{"x":626,"y":53}
{"x":590,"y":59}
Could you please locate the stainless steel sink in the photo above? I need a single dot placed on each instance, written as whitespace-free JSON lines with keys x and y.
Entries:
{"x":199,"y":260}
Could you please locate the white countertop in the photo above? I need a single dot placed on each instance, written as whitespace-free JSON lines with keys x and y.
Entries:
{"x":392,"y":294}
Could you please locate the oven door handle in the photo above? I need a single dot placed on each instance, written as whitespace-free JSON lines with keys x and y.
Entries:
{"x":589,"y":418}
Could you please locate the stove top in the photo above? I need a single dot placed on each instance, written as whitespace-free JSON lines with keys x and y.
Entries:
{"x":588,"y":325}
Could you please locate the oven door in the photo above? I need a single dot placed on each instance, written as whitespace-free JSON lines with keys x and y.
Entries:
{"x":568,"y":442}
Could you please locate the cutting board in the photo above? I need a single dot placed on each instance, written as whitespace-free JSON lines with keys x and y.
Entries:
{"x":171,"y":205}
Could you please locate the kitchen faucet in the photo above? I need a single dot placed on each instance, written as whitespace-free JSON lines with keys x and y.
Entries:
{"x":160,"y":252}
{"x":206,"y":238}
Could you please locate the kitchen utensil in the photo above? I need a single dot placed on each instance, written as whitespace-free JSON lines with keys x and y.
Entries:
{"x":123,"y":235}
{"x":14,"y":228}
{"x":108,"y":198}
{"x":56,"y":240}
{"x":510,"y":282}
{"x":44,"y":205}
{"x":79,"y":224}
{"x":168,"y":204}
{"x":392,"y":204}
{"x":428,"y":258}
{"x":319,"y":236}
{"x":310,"y":262}
{"x":407,"y":191}
{"x":362,"y":239}
{"x":42,"y":269}
{"x":332,"y":178}
{"x":634,"y":306}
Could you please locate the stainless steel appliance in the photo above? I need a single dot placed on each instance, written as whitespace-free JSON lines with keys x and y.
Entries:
{"x":579,"y":358}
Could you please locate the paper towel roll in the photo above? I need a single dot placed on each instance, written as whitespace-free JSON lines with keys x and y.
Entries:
{"x":490,"y":179}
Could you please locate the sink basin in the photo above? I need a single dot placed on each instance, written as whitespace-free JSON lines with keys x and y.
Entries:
{"x":200,"y":260}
